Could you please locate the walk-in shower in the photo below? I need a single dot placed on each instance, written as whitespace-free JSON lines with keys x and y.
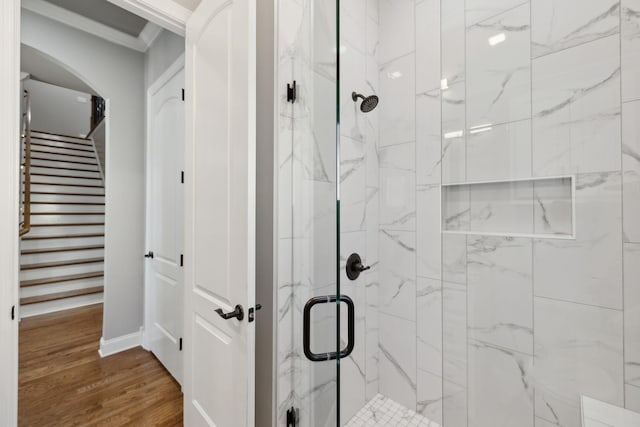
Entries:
{"x":494,"y":194}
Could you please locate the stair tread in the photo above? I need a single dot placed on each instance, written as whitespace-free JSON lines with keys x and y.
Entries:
{"x":69,"y":203}
{"x":60,"y":249}
{"x":69,"y":224}
{"x":44,"y":159}
{"x":57,"y":193}
{"x":42,"y":138}
{"x":65,"y":184}
{"x":61,"y":295}
{"x":58,"y":279}
{"x":61,"y":168}
{"x":66,"y":263}
{"x":64,"y":236}
{"x":61,"y":135}
{"x":67,"y":213}
{"x":37,"y":144}
{"x":54,"y":175}
{"x":62,"y":154}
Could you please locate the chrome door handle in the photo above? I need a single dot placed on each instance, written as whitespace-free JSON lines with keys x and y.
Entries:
{"x":238,"y":313}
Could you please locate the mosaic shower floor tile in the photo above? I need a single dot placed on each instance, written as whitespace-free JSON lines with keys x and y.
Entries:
{"x":384,"y":412}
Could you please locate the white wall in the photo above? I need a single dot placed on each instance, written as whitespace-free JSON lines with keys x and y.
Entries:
{"x":117,"y":74}
{"x":9,"y":172}
{"x":163,"y":52}
{"x":57,"y":109}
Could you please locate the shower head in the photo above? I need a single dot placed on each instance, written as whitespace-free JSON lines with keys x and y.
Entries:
{"x":368,"y":104}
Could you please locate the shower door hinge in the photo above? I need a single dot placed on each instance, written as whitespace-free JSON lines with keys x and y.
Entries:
{"x":293,"y":417}
{"x":181,"y":260}
{"x":181,"y":177}
{"x":180,"y":344}
{"x":183,"y":94}
{"x":292,"y":92}
{"x":13,"y":312}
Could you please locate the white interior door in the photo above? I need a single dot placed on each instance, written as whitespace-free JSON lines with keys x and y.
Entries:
{"x":165,"y":206}
{"x":220,"y":214}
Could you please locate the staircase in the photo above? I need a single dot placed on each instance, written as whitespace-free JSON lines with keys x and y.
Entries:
{"x":62,"y":256}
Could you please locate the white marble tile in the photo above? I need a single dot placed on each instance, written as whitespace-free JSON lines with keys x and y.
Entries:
{"x":454,"y":258}
{"x":429,"y":326}
{"x":576,"y":109}
{"x":632,"y":313}
{"x":353,"y":21}
{"x":632,"y":397}
{"x":372,"y":10}
{"x":430,"y":396}
{"x":456,"y":208}
{"x":630,"y":49}
{"x":553,"y":204}
{"x":428,"y":234}
{"x":479,"y":10}
{"x":499,"y":73}
{"x":453,"y":134}
{"x":352,"y":185}
{"x":353,"y":78}
{"x":499,"y":152}
{"x":428,"y":137}
{"x":454,"y":333}
{"x":454,"y":405}
{"x":631,"y":168}
{"x":397,"y":187}
{"x":397,"y":28}
{"x":501,"y":387}
{"x":501,"y":292}
{"x":397,"y":101}
{"x":452,"y":38}
{"x":578,"y":350}
{"x":397,"y":290}
{"x":587,"y":270}
{"x":558,"y":25}
{"x":501,"y":207}
{"x":398,"y":375}
{"x":427,"y":17}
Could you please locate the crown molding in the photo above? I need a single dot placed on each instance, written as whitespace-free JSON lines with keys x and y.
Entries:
{"x":74,"y":20}
{"x":165,"y":13}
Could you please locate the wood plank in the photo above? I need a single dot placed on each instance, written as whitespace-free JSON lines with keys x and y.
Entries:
{"x":66,"y":263}
{"x":61,"y":295}
{"x":62,"y":249}
{"x":60,"y":279}
{"x":63,"y":380}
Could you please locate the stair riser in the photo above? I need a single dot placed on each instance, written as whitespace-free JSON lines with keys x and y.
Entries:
{"x":56,"y":164}
{"x":54,"y":208}
{"x":66,"y":189}
{"x":38,"y":149}
{"x":52,"y":288}
{"x":63,"y":158}
{"x":73,"y":173}
{"x":65,"y":180}
{"x":72,"y":138}
{"x":51,"y":272}
{"x":61,"y":144}
{"x":66,"y":230}
{"x":65,"y":304}
{"x":59,"y":198}
{"x":61,"y":256}
{"x":59,"y":243}
{"x":66,"y":219}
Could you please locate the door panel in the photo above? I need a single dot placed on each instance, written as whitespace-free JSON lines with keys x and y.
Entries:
{"x":220,"y":213}
{"x":165,"y":315}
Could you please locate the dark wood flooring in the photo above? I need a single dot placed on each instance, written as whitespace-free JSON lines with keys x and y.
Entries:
{"x":64,"y":382}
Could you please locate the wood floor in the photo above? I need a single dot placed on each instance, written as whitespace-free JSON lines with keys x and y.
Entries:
{"x":64,"y":382}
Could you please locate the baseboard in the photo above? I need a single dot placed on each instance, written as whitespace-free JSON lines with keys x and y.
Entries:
{"x":118,"y":344}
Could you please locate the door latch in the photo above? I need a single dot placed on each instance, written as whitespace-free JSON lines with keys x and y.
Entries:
{"x":293,"y":417}
{"x":292,"y":92}
{"x":149,"y":255}
{"x":252,"y":311}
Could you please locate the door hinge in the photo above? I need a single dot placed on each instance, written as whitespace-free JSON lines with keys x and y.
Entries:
{"x":180,"y":344}
{"x":183,"y":94}
{"x":13,"y":312}
{"x":181,"y":260}
{"x":293,"y":417}
{"x":181,"y":177}
{"x":292,"y":92}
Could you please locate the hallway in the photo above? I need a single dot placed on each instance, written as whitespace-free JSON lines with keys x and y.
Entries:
{"x":64,"y":382}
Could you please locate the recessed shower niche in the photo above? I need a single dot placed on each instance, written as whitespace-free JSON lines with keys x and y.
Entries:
{"x":531,"y":207}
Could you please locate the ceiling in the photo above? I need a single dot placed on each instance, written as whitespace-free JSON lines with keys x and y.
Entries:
{"x":108,"y":14}
{"x":45,"y":69}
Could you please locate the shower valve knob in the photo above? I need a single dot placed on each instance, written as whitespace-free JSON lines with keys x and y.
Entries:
{"x":355,"y":267}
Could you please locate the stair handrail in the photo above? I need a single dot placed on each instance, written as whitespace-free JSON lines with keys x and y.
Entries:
{"x":25,"y":142}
